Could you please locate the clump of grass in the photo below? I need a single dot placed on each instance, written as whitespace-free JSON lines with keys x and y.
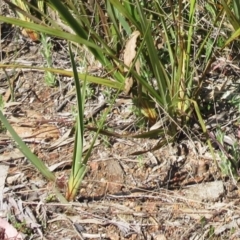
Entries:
{"x":165,"y":80}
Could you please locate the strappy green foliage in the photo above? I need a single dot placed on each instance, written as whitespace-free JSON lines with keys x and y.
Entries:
{"x":168,"y":83}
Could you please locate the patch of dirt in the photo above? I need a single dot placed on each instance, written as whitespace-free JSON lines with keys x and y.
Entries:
{"x":129,"y":192}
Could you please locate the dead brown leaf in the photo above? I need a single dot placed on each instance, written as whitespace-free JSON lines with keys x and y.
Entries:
{"x":130,"y":52}
{"x":128,"y":85}
{"x":128,"y":57}
{"x":32,"y":127}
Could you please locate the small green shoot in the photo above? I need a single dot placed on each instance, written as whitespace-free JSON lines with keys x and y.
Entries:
{"x":211,"y":232}
{"x":1,"y":102}
{"x":140,"y":161}
{"x":47,"y":54}
{"x":229,"y":156}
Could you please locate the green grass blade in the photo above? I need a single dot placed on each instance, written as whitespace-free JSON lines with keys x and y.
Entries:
{"x":50,"y":31}
{"x":80,"y":128}
{"x":189,"y":74}
{"x":203,"y":126}
{"x":77,"y":27}
{"x":236,"y":8}
{"x":232,"y":18}
{"x":124,"y":11}
{"x":234,"y":36}
{"x":89,"y":78}
{"x":159,"y":72}
{"x":78,"y":168}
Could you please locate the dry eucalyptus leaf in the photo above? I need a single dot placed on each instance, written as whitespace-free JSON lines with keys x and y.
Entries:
{"x":14,"y":154}
{"x":31,"y":134}
{"x":32,"y":127}
{"x":3,"y":175}
{"x":128,"y":85}
{"x":130,"y":52}
{"x":128,"y":57}
{"x":138,"y":66}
